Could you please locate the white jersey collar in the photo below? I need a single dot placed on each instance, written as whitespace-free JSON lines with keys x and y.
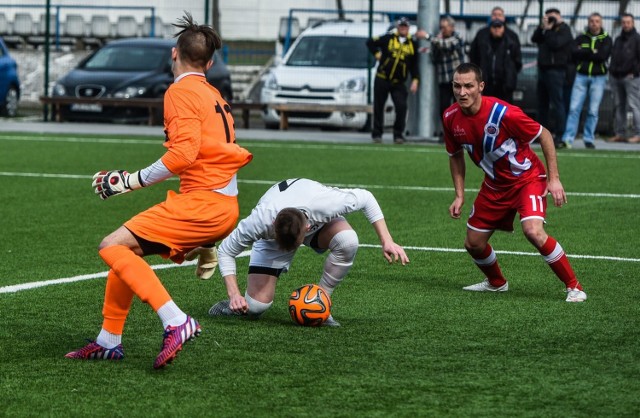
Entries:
{"x":183,"y":75}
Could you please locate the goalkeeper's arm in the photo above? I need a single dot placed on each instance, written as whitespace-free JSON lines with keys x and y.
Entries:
{"x":111,"y":183}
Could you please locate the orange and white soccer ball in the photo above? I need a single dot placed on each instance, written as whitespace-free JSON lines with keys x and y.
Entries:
{"x":309,"y":305}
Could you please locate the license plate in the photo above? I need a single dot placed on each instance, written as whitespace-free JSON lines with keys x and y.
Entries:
{"x":86,"y":107}
{"x":518,"y":95}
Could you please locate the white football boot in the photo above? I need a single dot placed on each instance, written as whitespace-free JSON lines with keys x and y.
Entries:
{"x":575,"y":295}
{"x":485,"y":286}
{"x":330,"y":322}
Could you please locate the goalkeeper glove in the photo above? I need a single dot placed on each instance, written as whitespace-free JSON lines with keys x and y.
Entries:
{"x":207,"y":261}
{"x":111,"y":183}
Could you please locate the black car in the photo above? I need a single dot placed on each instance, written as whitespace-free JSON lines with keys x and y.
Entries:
{"x":127,"y":68}
{"x":526,"y":97}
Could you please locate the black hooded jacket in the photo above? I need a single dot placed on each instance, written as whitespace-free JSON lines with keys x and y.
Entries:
{"x":500,"y":59}
{"x":591,"y":52}
{"x":398,"y":60}
{"x":554,"y":46}
{"x":625,"y":55}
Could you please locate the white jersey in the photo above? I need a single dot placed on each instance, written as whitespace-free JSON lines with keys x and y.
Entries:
{"x":320,"y":204}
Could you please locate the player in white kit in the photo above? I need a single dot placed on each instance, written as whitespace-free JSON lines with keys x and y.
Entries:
{"x":291,"y":213}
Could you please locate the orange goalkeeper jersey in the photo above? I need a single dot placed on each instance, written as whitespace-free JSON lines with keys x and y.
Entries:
{"x":200,"y":136}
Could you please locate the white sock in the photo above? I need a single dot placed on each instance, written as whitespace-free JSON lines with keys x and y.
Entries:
{"x":342,"y":251}
{"x":108,"y":340}
{"x":171,"y":315}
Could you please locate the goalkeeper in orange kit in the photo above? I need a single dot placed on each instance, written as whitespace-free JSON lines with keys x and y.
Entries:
{"x":201,"y":151}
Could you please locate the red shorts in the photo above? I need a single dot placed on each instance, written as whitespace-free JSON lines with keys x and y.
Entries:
{"x":186,"y":220}
{"x":496,"y":209}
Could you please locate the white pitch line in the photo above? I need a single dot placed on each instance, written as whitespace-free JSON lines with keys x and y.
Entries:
{"x":462,"y":250}
{"x":285,"y":144}
{"x":35,"y":285}
{"x":364,"y":186}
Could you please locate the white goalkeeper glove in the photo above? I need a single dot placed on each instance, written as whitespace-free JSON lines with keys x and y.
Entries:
{"x":207,"y":261}
{"x":111,"y":183}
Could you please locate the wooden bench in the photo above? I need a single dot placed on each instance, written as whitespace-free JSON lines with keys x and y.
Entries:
{"x":153,"y":105}
{"x":286,"y":108}
{"x":246,"y":108}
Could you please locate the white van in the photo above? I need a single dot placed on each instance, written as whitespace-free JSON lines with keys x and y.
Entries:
{"x":326,"y":64}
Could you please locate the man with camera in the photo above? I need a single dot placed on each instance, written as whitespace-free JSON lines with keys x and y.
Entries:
{"x":554,"y":40}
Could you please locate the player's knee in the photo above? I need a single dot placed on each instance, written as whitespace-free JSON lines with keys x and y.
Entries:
{"x":344,"y":245}
{"x":256,"y":308}
{"x":473,"y":248}
{"x":534,"y":234}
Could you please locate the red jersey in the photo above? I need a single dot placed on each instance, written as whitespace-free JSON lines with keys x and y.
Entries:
{"x":497,"y":139}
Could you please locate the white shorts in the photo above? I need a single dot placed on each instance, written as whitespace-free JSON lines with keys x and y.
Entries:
{"x":267,"y":258}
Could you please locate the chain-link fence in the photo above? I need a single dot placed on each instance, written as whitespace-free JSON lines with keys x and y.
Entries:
{"x":256,"y":33}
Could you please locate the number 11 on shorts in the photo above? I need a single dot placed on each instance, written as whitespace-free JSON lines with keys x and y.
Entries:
{"x":536,"y":203}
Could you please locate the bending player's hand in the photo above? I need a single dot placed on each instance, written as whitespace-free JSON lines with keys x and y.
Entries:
{"x":207,"y":261}
{"x":238,"y":304}
{"x":555,"y":189}
{"x":393,"y":252}
{"x":111,"y":183}
{"x":455,"y":210}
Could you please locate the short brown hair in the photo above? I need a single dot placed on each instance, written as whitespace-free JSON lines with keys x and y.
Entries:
{"x":469,"y":67}
{"x":196,"y":43}
{"x":290,"y":226}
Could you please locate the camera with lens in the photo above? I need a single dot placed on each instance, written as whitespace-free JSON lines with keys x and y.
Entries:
{"x":552,"y":20}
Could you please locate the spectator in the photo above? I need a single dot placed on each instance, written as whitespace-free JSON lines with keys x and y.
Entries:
{"x":591,"y":51}
{"x":447,"y":52}
{"x":554,"y":40}
{"x":496,"y":50}
{"x":625,"y":79}
{"x":397,"y":53}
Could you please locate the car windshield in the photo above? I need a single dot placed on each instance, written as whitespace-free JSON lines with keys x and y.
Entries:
{"x":127,"y":58}
{"x":330,"y":51}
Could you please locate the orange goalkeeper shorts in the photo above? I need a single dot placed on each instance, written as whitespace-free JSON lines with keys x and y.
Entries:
{"x":186,"y":221}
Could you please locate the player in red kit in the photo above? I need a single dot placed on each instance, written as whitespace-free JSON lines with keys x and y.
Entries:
{"x":497,"y":137}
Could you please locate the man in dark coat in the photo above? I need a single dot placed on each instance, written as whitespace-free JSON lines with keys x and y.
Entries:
{"x":625,"y":79}
{"x":555,"y":44}
{"x":496,"y":50}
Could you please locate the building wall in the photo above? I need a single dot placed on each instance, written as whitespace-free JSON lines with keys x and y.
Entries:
{"x":260,"y":19}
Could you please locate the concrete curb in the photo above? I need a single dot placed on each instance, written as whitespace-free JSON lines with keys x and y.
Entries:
{"x":294,"y":134}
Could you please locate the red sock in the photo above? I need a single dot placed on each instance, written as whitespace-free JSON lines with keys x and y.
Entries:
{"x":556,"y":258}
{"x":488,"y":263}
{"x":137,"y":275}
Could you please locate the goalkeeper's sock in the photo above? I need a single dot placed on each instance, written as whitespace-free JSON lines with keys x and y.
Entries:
{"x":171,"y":315}
{"x":487,"y":261}
{"x":555,"y":256}
{"x":137,"y":274}
{"x":117,"y":302}
{"x":108,"y":340}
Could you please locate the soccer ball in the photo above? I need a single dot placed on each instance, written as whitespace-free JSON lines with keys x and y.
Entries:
{"x":309,"y":305}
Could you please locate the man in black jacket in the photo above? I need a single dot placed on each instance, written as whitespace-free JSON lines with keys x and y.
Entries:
{"x":625,"y":79}
{"x":496,"y":50}
{"x":397,"y":53}
{"x":554,"y":40}
{"x":591,"y":51}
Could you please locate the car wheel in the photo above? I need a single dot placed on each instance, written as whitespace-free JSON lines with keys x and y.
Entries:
{"x":10,"y":107}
